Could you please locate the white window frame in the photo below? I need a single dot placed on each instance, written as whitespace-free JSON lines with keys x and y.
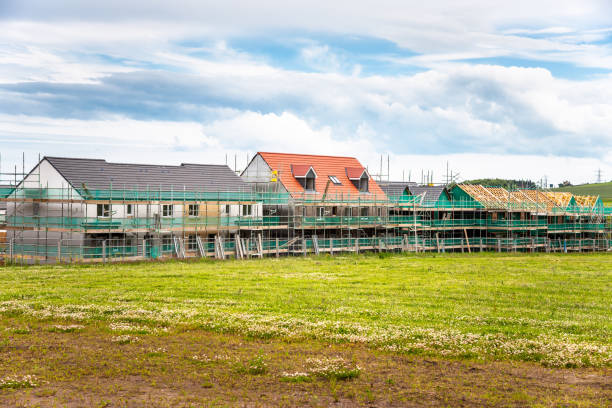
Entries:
{"x":195,"y":207}
{"x":129,"y":210}
{"x":247,"y":210}
{"x":106,"y":210}
{"x":166,"y":213}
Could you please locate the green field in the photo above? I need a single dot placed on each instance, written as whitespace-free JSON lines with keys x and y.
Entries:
{"x":466,"y":330}
{"x":552,"y":309}
{"x":604,"y":190}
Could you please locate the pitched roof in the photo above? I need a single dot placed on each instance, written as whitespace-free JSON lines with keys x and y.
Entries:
{"x":300,"y":170}
{"x":562,"y":199}
{"x":586,"y":200}
{"x":324,"y":166}
{"x":99,"y":174}
{"x":431,"y":194}
{"x":534,"y":199}
{"x":489,"y":197}
{"x":354,"y":173}
{"x":395,"y":188}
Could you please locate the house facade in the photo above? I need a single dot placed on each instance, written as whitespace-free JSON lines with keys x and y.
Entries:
{"x":89,"y":206}
{"x":69,"y":209}
{"x":329,"y":198}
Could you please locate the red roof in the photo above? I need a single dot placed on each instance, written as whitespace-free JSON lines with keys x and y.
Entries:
{"x":354,"y":173}
{"x":287,"y":165}
{"x":300,"y":170}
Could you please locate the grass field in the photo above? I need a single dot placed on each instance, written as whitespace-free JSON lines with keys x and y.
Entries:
{"x":604,"y":190}
{"x":454,"y":330}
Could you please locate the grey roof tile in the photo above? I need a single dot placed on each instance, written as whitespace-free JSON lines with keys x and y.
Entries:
{"x":431,"y":193}
{"x":395,"y":188}
{"x":99,"y":174}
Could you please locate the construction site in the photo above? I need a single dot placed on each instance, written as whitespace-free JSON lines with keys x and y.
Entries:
{"x":89,"y":210}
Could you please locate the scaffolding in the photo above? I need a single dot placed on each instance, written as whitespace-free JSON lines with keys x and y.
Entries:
{"x":69,"y":224}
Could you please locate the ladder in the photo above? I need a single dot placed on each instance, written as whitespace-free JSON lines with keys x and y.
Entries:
{"x":239,"y":248}
{"x":259,"y":246}
{"x":201,"y":248}
{"x":219,"y":249}
{"x":179,"y":248}
{"x":315,"y":244}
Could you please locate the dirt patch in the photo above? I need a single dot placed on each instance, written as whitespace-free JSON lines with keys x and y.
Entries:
{"x":188,"y":368}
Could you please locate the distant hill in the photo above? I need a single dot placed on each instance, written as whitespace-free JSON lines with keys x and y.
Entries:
{"x":604,"y":190}
{"x":504,"y":183}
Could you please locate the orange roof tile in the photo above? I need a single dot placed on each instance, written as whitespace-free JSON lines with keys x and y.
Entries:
{"x":324,"y":166}
{"x":300,"y":170}
{"x":354,"y":173}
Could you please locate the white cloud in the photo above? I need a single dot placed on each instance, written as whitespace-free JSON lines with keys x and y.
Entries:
{"x":113,"y":131}
{"x":246,"y":103}
{"x":285,"y":133}
{"x":321,"y":58}
{"x":442,"y":29}
{"x":125,"y":140}
{"x":452,"y":108}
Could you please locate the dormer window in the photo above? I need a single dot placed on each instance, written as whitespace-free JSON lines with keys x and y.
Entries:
{"x":359,"y":177}
{"x":309,"y":184}
{"x":305,"y":175}
{"x":363,"y":184}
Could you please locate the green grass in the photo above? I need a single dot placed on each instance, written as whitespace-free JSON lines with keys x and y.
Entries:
{"x":604,"y":190}
{"x":551,"y":309}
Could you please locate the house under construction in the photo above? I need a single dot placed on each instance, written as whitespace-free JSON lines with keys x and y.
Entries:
{"x":81,"y":210}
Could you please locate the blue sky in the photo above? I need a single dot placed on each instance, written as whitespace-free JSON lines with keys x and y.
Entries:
{"x":521,"y":90}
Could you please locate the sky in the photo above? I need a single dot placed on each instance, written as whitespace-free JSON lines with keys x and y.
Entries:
{"x":519,"y":89}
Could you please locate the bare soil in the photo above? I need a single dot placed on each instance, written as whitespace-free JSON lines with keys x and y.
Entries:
{"x":86,"y":368}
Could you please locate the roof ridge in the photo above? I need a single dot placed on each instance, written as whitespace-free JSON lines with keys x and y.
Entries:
{"x":72,"y":158}
{"x":310,"y":155}
{"x":135,"y":164}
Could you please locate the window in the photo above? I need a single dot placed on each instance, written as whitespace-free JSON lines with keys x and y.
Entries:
{"x":167,"y":210}
{"x":247,"y":210}
{"x":192,"y":243}
{"x":321,"y":211}
{"x":310,"y":184}
{"x":308,"y":181}
{"x":363,"y":184}
{"x":364,"y":211}
{"x":335,"y":180}
{"x":129,"y":210}
{"x":348,"y":212}
{"x":226,"y":209}
{"x":103,"y":210}
{"x":193,"y":210}
{"x":167,"y":243}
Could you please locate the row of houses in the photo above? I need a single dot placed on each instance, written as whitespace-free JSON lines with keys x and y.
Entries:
{"x":84,"y":209}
